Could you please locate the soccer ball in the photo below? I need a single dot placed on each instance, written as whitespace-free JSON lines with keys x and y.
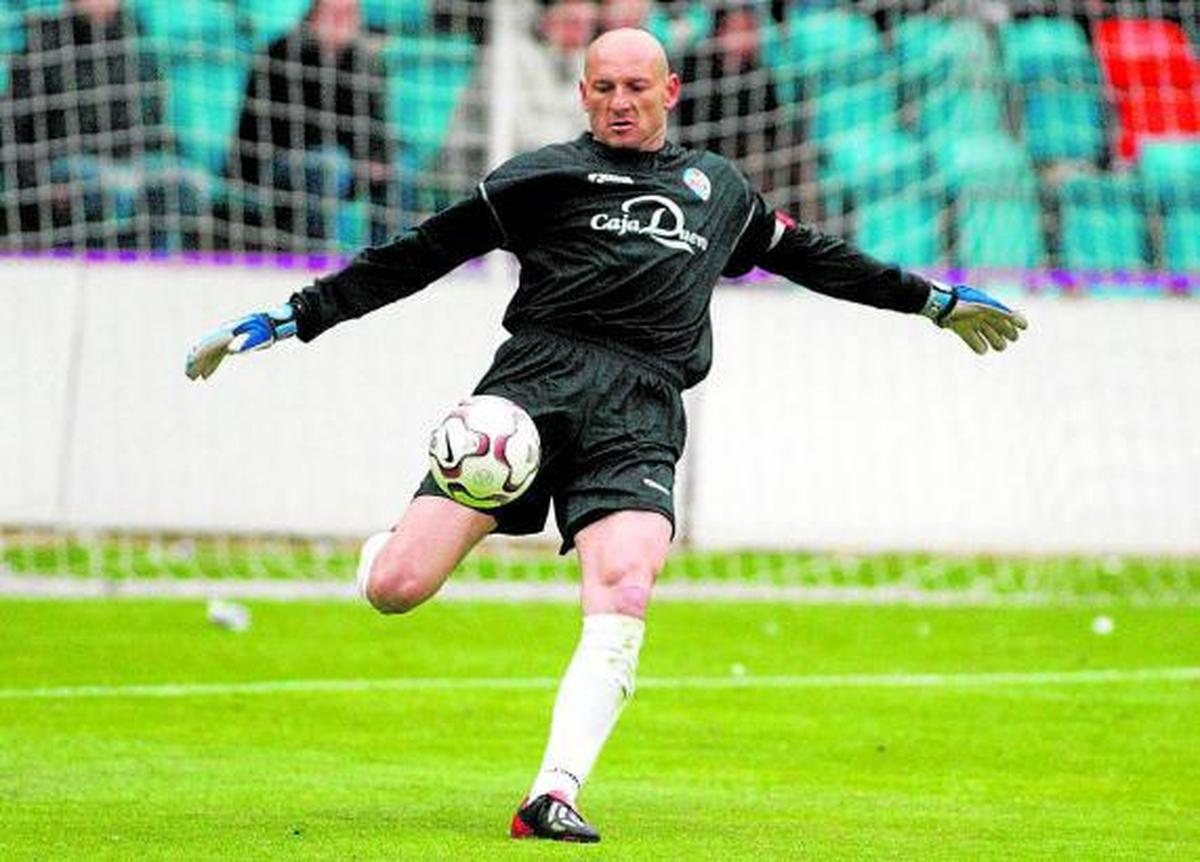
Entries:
{"x":485,"y":453}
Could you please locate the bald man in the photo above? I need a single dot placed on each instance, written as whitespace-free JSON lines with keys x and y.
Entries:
{"x":621,"y":236}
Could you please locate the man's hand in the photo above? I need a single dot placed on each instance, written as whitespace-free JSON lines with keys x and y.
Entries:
{"x":974,"y":317}
{"x":256,"y":331}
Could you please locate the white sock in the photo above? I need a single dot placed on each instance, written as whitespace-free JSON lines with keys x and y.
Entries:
{"x":598,"y":683}
{"x":366,"y":559}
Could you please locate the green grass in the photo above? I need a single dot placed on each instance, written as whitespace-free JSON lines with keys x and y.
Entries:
{"x":1100,"y":770}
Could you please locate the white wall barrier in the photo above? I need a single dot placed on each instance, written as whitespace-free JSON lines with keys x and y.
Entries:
{"x":823,"y":424}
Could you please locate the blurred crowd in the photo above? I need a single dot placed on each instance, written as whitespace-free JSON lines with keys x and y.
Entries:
{"x":92,"y":157}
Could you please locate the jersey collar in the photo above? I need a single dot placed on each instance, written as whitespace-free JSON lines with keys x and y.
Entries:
{"x":630,"y":158}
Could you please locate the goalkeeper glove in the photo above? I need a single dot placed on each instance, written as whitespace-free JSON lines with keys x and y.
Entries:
{"x":973,"y":316}
{"x":256,"y":331}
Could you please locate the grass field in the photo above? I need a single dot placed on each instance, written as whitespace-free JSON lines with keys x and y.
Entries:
{"x":760,"y":731}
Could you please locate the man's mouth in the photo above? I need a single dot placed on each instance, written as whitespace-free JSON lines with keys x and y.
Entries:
{"x":622,"y":124}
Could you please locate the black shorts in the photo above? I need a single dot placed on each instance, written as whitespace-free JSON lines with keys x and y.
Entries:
{"x":612,"y":429}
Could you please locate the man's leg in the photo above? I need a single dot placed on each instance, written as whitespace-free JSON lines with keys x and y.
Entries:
{"x":401,"y":569}
{"x":620,"y":556}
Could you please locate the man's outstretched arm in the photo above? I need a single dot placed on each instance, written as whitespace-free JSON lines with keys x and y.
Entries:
{"x":834,"y":267}
{"x":376,"y":277}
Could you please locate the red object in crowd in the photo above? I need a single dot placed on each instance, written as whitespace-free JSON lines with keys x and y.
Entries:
{"x":1154,"y":78}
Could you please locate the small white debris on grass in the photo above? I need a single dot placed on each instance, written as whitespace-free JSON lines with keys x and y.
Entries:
{"x":229,"y":615}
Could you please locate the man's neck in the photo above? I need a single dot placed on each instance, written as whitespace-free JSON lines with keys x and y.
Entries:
{"x":645,"y":148}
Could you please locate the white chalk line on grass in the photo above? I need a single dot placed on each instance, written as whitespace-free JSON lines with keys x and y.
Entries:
{"x":420,"y":684}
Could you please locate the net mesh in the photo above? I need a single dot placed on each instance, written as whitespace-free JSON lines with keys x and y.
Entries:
{"x":972,"y":134}
{"x":1057,"y":141}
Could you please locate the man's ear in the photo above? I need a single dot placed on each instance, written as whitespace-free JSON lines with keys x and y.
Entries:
{"x":673,"y":88}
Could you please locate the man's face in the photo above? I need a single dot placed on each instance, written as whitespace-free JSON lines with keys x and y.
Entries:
{"x":623,"y":13}
{"x":99,"y":10}
{"x":627,"y":92}
{"x":569,"y":25}
{"x":737,"y":37}
{"x":336,"y":22}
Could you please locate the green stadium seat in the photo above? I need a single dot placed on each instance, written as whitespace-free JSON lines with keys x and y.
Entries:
{"x":427,"y":77}
{"x":1170,"y":169}
{"x":396,"y":16}
{"x":351,"y":229}
{"x":697,"y":16}
{"x":950,"y":75}
{"x":12,"y":30}
{"x":1064,"y":124}
{"x":1040,"y":49}
{"x":36,"y":7}
{"x":206,"y":65}
{"x":999,"y":226}
{"x":1170,"y":179}
{"x":989,"y":160}
{"x":846,"y":115}
{"x":1050,"y":66}
{"x":12,"y":40}
{"x":904,"y":229}
{"x":1103,"y":225}
{"x":820,"y":48}
{"x":268,"y":21}
{"x":948,"y":112}
{"x":1181,"y":239}
{"x":187,"y":25}
{"x":876,"y":166}
{"x":941,"y":52}
{"x":205,"y":103}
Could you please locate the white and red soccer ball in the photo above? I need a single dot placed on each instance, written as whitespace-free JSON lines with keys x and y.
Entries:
{"x":485,"y":453}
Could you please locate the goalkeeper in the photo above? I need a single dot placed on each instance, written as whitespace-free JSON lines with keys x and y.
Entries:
{"x":621,"y":236}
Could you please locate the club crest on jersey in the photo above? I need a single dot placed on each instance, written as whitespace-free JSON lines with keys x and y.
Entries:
{"x":653,"y":216}
{"x":698,"y":181}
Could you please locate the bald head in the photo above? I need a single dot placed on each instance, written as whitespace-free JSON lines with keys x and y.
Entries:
{"x":627,"y":44}
{"x":627,"y":89}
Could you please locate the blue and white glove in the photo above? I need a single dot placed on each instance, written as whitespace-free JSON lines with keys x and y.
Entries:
{"x":256,"y":331}
{"x":973,"y":316}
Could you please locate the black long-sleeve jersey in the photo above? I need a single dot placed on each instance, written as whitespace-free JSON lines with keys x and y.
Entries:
{"x":617,"y":246}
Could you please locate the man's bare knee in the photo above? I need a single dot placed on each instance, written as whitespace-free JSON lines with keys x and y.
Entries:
{"x":631,"y":600}
{"x":622,"y":587}
{"x":398,"y":584}
{"x":412,"y":561}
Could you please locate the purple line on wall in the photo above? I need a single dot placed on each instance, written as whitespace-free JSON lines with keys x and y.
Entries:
{"x":1034,"y":281}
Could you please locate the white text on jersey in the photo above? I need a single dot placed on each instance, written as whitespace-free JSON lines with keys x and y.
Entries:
{"x":664,"y":224}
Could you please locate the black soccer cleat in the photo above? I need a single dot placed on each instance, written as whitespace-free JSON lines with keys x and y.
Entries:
{"x":551,"y":817}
